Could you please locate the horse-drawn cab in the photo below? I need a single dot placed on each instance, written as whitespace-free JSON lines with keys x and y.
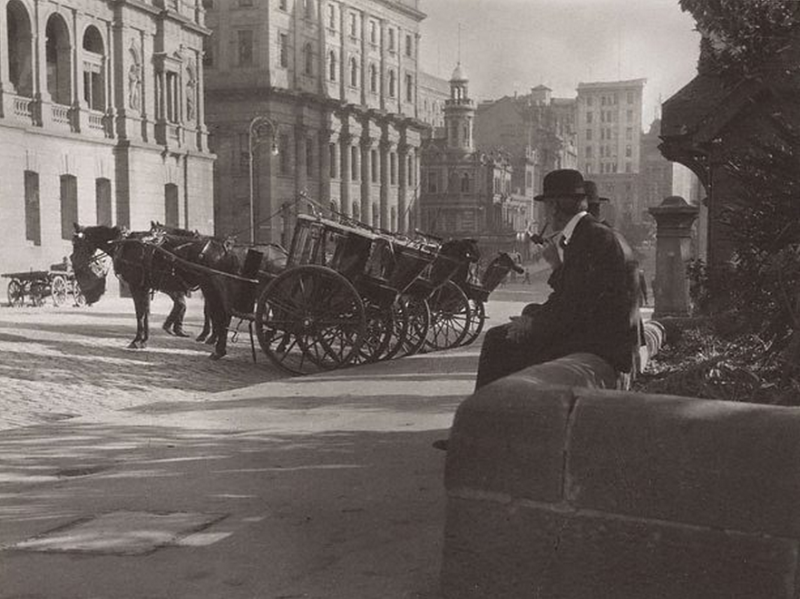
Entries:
{"x":352,"y":294}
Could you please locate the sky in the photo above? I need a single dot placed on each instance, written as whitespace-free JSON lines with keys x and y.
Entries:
{"x":514,"y":45}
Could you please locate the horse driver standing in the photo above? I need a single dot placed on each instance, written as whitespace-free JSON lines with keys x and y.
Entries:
{"x":174,"y":322}
{"x":594,"y":305}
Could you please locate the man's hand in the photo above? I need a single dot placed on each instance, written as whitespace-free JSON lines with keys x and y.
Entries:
{"x":519,"y":329}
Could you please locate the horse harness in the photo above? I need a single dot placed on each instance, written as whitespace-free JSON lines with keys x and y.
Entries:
{"x":153,"y":277}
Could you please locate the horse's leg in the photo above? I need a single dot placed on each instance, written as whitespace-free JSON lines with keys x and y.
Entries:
{"x":206,"y":322}
{"x":138,"y":304}
{"x":221,"y":346}
{"x":219,"y":322}
{"x":146,"y":333}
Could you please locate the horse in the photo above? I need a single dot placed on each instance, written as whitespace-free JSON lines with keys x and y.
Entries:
{"x":273,"y":262}
{"x":158,"y":260}
{"x":497,"y":270}
{"x":464,"y":251}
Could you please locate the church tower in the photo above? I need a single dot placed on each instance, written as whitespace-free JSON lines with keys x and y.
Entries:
{"x":459,"y":113}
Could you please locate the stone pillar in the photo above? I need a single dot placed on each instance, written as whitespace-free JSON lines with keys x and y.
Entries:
{"x":386,"y":148}
{"x":402,"y":174}
{"x":344,"y":172}
{"x":674,"y":219}
{"x":300,"y":145}
{"x":366,"y":176}
{"x":325,"y":167}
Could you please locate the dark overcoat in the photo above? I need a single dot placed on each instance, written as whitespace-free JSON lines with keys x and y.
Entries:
{"x":594,"y":308}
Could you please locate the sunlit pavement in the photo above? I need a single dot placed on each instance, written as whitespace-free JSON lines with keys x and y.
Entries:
{"x":325,"y":486}
{"x":277,"y":487}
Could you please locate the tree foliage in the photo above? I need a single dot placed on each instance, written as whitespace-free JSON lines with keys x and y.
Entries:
{"x":742,"y":36}
{"x":761,"y":283}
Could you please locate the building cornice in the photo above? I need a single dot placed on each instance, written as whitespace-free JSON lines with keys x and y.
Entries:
{"x":138,"y":4}
{"x":171,"y":15}
{"x":414,"y":13}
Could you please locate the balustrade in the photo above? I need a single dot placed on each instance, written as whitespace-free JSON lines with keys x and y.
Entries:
{"x":61,"y":114}
{"x":23,"y":107}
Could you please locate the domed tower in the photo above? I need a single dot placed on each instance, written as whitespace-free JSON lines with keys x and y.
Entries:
{"x":459,"y":113}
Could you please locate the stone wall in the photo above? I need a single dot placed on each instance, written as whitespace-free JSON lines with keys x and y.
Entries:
{"x":560,"y":487}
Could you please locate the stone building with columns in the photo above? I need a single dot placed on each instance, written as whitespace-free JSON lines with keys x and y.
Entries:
{"x":333,"y":88}
{"x":101,"y":121}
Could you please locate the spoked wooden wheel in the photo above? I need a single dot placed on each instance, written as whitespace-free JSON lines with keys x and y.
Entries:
{"x":309,"y":319}
{"x":380,"y":327}
{"x":400,"y":326}
{"x":16,"y":293}
{"x":419,"y":321}
{"x":58,"y":291}
{"x":449,"y":317}
{"x":77,"y":295}
{"x":477,"y":318}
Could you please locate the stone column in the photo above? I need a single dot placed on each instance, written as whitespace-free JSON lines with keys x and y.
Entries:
{"x":366,"y":176}
{"x":403,"y":153}
{"x":674,"y":219}
{"x":325,"y":166}
{"x":386,"y":148}
{"x":300,"y":171}
{"x":344,"y":172}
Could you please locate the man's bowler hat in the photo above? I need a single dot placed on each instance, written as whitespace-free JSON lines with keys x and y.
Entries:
{"x":565,"y":182}
{"x":592,"y":195}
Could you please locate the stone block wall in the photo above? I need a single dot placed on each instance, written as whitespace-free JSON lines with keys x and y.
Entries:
{"x":559,"y":487}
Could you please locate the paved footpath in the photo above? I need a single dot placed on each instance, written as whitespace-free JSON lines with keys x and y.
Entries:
{"x":188,"y":478}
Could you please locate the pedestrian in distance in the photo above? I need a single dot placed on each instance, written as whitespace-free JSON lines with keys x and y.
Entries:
{"x":594,"y":306}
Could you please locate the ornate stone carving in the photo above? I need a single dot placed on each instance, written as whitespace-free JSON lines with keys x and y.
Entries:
{"x":135,"y":77}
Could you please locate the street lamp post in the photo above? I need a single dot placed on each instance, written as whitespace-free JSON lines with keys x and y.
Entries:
{"x":260,"y":128}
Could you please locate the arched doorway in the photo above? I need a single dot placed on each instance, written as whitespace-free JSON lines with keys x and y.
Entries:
{"x":20,"y":46}
{"x":58,"y":55}
{"x":94,"y":69}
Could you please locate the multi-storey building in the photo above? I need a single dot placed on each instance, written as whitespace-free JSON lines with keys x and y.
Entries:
{"x":101,"y":121}
{"x":332,"y":87}
{"x":467,"y":192}
{"x":433,"y":93}
{"x":608,"y":124}
{"x":536,"y":130}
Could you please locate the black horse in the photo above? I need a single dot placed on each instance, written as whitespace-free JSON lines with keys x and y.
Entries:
{"x":163,"y":261}
{"x":462,"y":251}
{"x":274,"y":258}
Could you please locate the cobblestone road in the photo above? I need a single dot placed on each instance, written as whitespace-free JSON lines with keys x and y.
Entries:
{"x":57,"y":363}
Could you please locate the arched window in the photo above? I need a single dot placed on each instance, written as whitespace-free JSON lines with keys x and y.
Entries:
{"x":58,"y":54}
{"x":93,"y":69}
{"x":20,"y":40}
{"x":392,"y":84}
{"x":308,"y":59}
{"x":332,"y":66}
{"x":373,"y":78}
{"x":353,"y":72}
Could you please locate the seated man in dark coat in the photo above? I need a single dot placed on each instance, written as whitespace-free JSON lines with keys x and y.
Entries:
{"x":594,"y":306}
